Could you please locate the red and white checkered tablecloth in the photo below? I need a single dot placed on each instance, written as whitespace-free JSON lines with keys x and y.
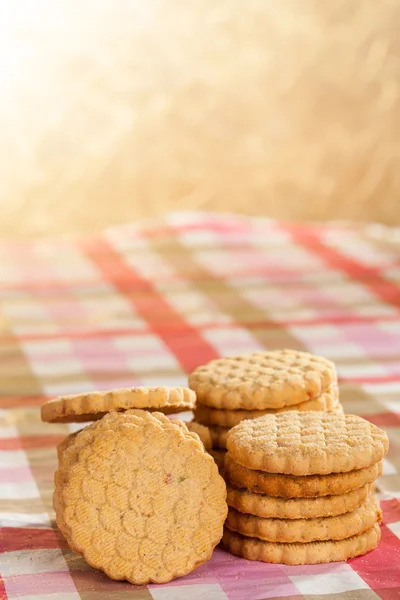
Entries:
{"x":143,"y":305}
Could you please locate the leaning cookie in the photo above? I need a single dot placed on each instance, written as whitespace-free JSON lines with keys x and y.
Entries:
{"x":140,"y":499}
{"x":94,"y":405}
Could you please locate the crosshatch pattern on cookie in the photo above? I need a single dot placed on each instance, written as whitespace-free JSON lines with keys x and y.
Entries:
{"x":307,"y":443}
{"x":262,"y":380}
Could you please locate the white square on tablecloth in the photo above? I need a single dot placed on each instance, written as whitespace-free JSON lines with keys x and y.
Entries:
{"x":206,"y":591}
{"x":329,"y":583}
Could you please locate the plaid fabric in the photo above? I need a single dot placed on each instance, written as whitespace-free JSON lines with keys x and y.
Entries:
{"x":143,"y":306}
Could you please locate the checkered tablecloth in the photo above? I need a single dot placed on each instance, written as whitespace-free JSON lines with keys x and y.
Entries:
{"x":143,"y":305}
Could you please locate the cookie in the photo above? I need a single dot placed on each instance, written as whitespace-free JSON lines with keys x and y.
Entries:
{"x":62,"y":446}
{"x":219,"y":457}
{"x":308,"y":486}
{"x":218,"y":436}
{"x":94,"y":405}
{"x":203,"y":432}
{"x":301,"y":554}
{"x":262,"y":380}
{"x":307,"y":443}
{"x":328,"y":401}
{"x":80,"y":438}
{"x":290,"y":531}
{"x":141,"y":500}
{"x":296,"y":508}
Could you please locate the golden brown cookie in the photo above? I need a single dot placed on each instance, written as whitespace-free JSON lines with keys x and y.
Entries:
{"x":218,"y":436}
{"x":290,"y":486}
{"x":94,"y":405}
{"x":107,"y":422}
{"x":301,"y":554}
{"x":296,"y":508}
{"x":328,"y":401}
{"x":307,"y":443}
{"x":62,"y":446}
{"x":203,"y":432}
{"x":219,"y":457}
{"x":262,"y":380}
{"x":141,"y":500}
{"x":290,"y":531}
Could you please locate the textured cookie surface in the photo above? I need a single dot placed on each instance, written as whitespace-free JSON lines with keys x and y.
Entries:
{"x":296,"y":508}
{"x":290,"y":531}
{"x":290,"y":486}
{"x":327,"y":401}
{"x":141,"y":500}
{"x":307,"y":443}
{"x":92,"y":406}
{"x":262,"y":380}
{"x":301,"y":554}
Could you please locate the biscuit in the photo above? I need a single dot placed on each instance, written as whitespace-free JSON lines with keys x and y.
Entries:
{"x":107,"y":422}
{"x":219,"y":457}
{"x":203,"y":432}
{"x":305,"y":530}
{"x":307,"y":443}
{"x":328,"y":401}
{"x":290,"y":486}
{"x":62,"y":446}
{"x":94,"y":405}
{"x":141,"y":500}
{"x":218,"y":436}
{"x":296,"y":508}
{"x":301,"y":554}
{"x":262,"y":380}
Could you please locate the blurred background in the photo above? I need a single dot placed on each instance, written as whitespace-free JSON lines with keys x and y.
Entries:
{"x":115,"y":111}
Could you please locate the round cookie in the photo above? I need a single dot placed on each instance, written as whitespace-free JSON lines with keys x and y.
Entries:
{"x":289,"y":531}
{"x":262,"y":380}
{"x":310,"y":553}
{"x":142,"y":500}
{"x":290,"y":486}
{"x":307,"y":443}
{"x":327,"y":402}
{"x":80,"y":439}
{"x":264,"y":506}
{"x":94,"y":405}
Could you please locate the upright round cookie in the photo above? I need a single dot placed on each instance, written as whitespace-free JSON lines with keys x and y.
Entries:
{"x":262,"y":380}
{"x":92,"y":406}
{"x":307,"y":443}
{"x":141,"y":499}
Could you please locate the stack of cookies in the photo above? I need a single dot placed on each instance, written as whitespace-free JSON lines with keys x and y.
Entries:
{"x":230,"y":390}
{"x":300,"y":487}
{"x":136,"y":493}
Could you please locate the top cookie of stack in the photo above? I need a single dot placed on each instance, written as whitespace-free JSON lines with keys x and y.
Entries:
{"x":230,"y":390}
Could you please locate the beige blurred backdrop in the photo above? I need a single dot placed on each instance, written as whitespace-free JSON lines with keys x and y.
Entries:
{"x":115,"y":111}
